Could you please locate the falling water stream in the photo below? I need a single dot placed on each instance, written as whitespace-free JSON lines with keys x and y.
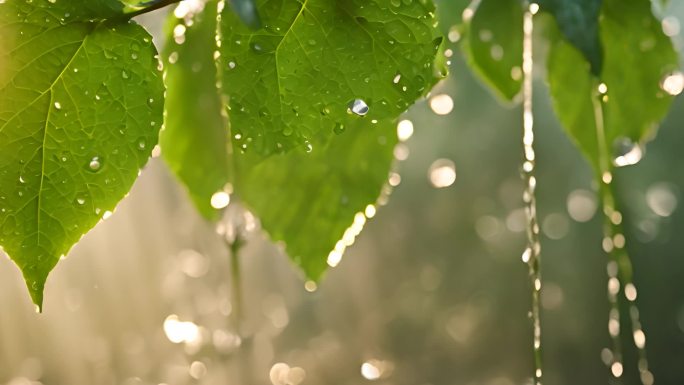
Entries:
{"x":619,"y":266}
{"x":532,"y":255}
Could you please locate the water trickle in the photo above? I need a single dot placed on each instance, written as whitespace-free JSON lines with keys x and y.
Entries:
{"x":532,"y":254}
{"x":619,"y":268}
{"x":358,"y":107}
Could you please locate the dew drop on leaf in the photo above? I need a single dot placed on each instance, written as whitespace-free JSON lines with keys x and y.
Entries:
{"x":95,"y":164}
{"x":358,"y":107}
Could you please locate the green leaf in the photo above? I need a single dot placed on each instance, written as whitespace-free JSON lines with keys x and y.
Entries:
{"x":80,"y":109}
{"x":195,"y":140}
{"x":297,"y":77}
{"x":309,"y":199}
{"x":578,"y":20}
{"x":493,"y":45}
{"x":637,"y":58}
{"x":306,"y":199}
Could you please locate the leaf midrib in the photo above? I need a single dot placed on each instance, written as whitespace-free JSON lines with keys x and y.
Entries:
{"x":45,"y":128}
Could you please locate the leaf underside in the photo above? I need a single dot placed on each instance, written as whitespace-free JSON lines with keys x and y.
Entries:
{"x":80,"y":109}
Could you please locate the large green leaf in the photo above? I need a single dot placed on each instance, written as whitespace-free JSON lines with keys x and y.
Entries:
{"x":194,"y":140}
{"x":578,"y":20}
{"x":306,"y":197}
{"x":297,"y":76}
{"x":637,"y":58}
{"x":493,"y":45}
{"x":80,"y":109}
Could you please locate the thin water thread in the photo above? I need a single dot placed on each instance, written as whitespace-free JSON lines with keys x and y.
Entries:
{"x":532,"y":254}
{"x":619,"y":268}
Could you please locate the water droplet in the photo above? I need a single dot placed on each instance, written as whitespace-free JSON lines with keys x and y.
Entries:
{"x":95,"y":164}
{"x":142,"y":143}
{"x":339,"y":128}
{"x":358,"y":107}
{"x":441,"y":104}
{"x":80,"y":201}
{"x":404,"y":130}
{"x":124,"y":74}
{"x":220,"y":200}
{"x":673,"y":83}
{"x":58,"y":106}
{"x":256,"y":47}
{"x":626,"y":152}
{"x":442,"y":173}
{"x":308,"y":147}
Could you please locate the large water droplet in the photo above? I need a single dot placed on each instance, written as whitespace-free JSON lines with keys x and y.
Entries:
{"x":95,"y":164}
{"x":358,"y":107}
{"x":626,"y":152}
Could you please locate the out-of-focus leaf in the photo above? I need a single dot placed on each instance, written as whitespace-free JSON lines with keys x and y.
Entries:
{"x":450,"y":13}
{"x":80,"y":109}
{"x":297,"y":77}
{"x":578,"y":20}
{"x":195,"y":140}
{"x":637,"y":59}
{"x":493,"y":45}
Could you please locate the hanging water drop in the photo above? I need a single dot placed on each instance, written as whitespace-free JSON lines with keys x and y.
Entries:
{"x":673,"y":83}
{"x":358,"y":107}
{"x":626,"y":152}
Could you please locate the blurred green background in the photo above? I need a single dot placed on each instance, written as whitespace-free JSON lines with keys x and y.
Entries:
{"x":433,"y":293}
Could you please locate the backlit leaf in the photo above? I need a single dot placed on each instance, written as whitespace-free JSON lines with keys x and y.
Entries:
{"x":313,"y":59}
{"x":80,"y":109}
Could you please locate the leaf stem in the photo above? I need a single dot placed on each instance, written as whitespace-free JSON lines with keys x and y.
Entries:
{"x":236,"y":280}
